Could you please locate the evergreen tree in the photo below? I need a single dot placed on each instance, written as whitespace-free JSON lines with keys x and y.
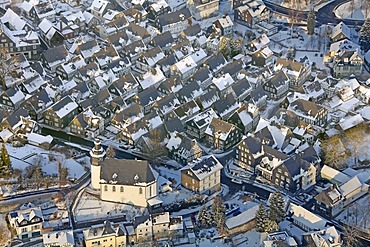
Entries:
{"x":261,"y":219}
{"x":277,"y":212}
{"x":5,"y":164}
{"x":218,"y":213}
{"x":203,"y":217}
{"x":365,"y":35}
{"x":311,"y":22}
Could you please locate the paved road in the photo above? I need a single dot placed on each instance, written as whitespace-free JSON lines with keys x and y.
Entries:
{"x":325,"y":15}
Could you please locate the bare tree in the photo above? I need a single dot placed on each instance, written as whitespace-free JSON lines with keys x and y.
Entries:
{"x":351,"y":236}
{"x":153,"y":149}
{"x":111,"y":152}
{"x":294,"y":18}
{"x":334,"y":151}
{"x":355,"y":138}
{"x":352,"y":7}
{"x":7,"y":66}
{"x":366,"y":6}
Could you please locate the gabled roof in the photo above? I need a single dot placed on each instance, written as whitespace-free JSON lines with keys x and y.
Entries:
{"x":189,"y":92}
{"x":148,"y":96}
{"x":63,"y":107}
{"x":192,"y":30}
{"x":219,"y":127}
{"x":306,"y":107}
{"x":162,"y":40}
{"x":204,"y":168}
{"x":58,"y":53}
{"x":174,"y":124}
{"x":216,"y":62}
{"x":279,"y":79}
{"x":174,"y":17}
{"x":341,"y":28}
{"x":126,"y":172}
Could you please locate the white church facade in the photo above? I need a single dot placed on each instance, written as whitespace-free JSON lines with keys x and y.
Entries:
{"x":122,"y":180}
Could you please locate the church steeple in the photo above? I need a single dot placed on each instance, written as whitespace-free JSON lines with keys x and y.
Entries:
{"x":97,"y":155}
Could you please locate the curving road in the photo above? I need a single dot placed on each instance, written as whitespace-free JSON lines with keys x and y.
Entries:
{"x":325,"y":15}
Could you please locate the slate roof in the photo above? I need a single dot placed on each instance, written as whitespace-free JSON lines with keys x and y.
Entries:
{"x":173,"y":17}
{"x":307,"y":107}
{"x":224,"y":103}
{"x":174,"y":124}
{"x":278,"y":79}
{"x":15,"y":117}
{"x":126,"y":171}
{"x":58,"y":53}
{"x":201,"y":75}
{"x":254,"y":145}
{"x":162,"y":40}
{"x":294,"y":164}
{"x":232,"y":68}
{"x":168,"y":84}
{"x":240,"y":87}
{"x":148,"y":95}
{"x":193,"y":30}
{"x":215,"y":61}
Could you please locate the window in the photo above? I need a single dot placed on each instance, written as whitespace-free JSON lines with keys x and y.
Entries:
{"x":105,"y":187}
{"x":140,"y":191}
{"x":121,"y":189}
{"x":114,"y":188}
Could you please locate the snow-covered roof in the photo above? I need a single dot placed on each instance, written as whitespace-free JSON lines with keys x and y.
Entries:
{"x":341,"y":28}
{"x":242,"y":218}
{"x":344,"y":44}
{"x":333,"y":174}
{"x":45,"y":25}
{"x":223,"y":82}
{"x":305,"y":218}
{"x":151,"y":78}
{"x":62,"y":238}
{"x":204,"y":167}
{"x":350,"y":186}
{"x":225,"y":22}
{"x":39,"y":139}
{"x":14,"y":20}
{"x":260,"y":42}
{"x":350,"y":121}
{"x":64,"y":106}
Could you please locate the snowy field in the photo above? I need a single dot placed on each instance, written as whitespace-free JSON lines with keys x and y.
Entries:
{"x":22,"y":157}
{"x":91,"y":208}
{"x":360,"y":12}
{"x":358,"y":213}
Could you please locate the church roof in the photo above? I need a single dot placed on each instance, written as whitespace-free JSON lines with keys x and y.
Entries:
{"x":126,"y":172}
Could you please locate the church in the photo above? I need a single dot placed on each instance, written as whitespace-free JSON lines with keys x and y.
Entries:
{"x":122,"y":180}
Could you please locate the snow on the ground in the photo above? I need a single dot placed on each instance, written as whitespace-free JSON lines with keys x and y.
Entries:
{"x":22,"y":157}
{"x":359,"y":12}
{"x":313,"y":57}
{"x":363,"y":155}
{"x":292,"y":230}
{"x":91,"y":208}
{"x":250,"y":238}
{"x":355,"y":214}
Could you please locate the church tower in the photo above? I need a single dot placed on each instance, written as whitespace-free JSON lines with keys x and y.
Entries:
{"x":97,"y":155}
